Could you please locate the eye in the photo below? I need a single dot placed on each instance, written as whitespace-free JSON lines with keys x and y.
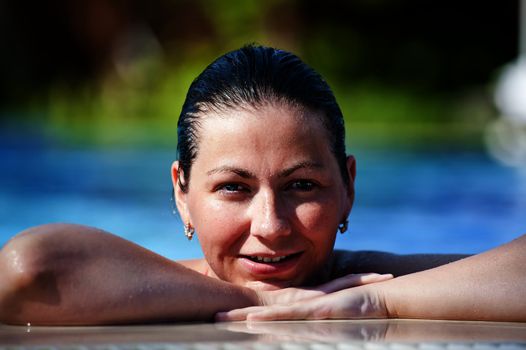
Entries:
{"x":302,"y":185}
{"x":232,"y":189}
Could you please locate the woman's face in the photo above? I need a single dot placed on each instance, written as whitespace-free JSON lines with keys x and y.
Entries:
{"x":265,"y":195}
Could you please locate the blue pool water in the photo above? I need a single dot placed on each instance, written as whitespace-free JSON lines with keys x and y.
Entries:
{"x":406,"y":202}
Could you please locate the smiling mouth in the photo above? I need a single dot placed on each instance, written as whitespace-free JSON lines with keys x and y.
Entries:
{"x":271,"y":260}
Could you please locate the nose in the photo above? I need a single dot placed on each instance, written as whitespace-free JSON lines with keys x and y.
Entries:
{"x":268,"y":217}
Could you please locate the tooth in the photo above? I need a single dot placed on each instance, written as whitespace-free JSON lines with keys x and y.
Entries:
{"x":267,"y":259}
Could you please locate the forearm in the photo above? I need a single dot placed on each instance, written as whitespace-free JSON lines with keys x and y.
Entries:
{"x":96,"y":278}
{"x":488,"y":286}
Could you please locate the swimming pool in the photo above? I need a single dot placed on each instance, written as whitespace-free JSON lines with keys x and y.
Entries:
{"x":406,"y":201}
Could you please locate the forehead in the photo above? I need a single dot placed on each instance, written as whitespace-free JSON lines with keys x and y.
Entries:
{"x":268,"y":133}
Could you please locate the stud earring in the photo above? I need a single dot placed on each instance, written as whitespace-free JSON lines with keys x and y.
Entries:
{"x":189,"y":231}
{"x":343,"y":226}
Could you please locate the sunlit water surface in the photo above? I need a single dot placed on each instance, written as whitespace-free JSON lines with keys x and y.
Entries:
{"x":406,"y":202}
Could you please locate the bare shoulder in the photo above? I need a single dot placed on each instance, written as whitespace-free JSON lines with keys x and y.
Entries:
{"x":346,"y":262}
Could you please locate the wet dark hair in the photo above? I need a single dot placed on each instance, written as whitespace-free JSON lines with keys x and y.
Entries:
{"x":253,"y":76}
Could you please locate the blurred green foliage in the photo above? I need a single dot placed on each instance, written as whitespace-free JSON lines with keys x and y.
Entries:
{"x":405,"y":72}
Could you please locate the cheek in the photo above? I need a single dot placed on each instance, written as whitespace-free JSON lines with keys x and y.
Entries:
{"x":218,"y":227}
{"x":319,"y":227}
{"x":319,"y":217}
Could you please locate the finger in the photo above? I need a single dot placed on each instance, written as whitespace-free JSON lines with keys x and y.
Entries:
{"x":237,"y":314}
{"x":353,"y":280}
{"x":291,"y":295}
{"x":281,"y":312}
{"x":366,"y":278}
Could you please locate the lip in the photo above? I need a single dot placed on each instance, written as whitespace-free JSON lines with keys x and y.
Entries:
{"x":266,"y":269}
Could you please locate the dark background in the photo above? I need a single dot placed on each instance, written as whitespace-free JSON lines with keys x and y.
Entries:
{"x":406,"y":72}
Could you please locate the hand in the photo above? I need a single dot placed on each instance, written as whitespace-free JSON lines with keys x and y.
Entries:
{"x":291,"y":295}
{"x":330,"y":300}
{"x":360,"y":302}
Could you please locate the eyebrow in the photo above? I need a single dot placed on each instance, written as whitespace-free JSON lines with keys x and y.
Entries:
{"x":231,"y":169}
{"x":302,"y":165}
{"x":248,"y":175}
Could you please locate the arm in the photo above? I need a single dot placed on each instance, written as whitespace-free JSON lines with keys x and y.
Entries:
{"x":70,"y":274}
{"x":488,"y":286}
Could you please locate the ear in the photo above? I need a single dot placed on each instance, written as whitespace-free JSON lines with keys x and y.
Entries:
{"x":351,"y":171}
{"x":179,"y":195}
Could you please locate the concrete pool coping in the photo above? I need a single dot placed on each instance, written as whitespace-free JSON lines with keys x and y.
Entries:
{"x":237,"y":335}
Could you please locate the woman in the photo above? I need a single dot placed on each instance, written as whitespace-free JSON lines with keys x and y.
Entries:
{"x":262,"y":177}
